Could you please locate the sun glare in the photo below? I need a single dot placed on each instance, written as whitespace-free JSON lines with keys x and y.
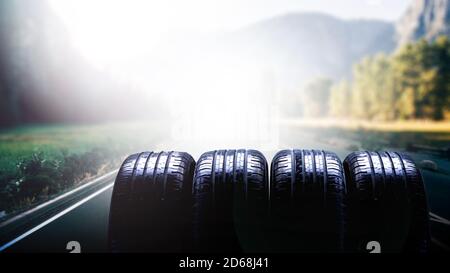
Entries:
{"x":213,"y":89}
{"x":109,"y":31}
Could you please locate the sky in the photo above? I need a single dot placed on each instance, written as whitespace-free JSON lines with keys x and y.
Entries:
{"x":113,"y":29}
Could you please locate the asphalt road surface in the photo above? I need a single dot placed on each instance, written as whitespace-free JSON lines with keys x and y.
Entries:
{"x":81,"y":215}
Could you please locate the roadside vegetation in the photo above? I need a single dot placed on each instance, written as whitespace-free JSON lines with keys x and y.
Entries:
{"x":411,"y":84}
{"x":39,"y":162}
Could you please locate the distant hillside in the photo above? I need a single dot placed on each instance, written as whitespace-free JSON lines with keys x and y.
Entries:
{"x":314,"y":44}
{"x":425,"y":18}
{"x":292,"y":48}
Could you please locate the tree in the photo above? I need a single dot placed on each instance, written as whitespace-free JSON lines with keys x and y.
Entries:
{"x":413,"y":83}
{"x":372,"y":92}
{"x":439,"y":98}
{"x":408,"y":67}
{"x":316,"y":96}
{"x":339,"y":103}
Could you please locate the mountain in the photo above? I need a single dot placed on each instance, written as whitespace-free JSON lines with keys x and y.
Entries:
{"x":292,"y":48}
{"x":315,"y":44}
{"x":424,"y":19}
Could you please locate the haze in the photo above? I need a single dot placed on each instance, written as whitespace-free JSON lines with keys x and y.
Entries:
{"x":108,"y":31}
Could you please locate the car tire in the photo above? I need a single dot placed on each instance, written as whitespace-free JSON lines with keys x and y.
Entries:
{"x":308,"y":202}
{"x":150,"y":204}
{"x":387,"y":202}
{"x":230,"y":192}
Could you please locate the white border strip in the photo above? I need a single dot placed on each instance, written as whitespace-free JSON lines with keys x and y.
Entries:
{"x":48,"y":221}
{"x":28,"y":212}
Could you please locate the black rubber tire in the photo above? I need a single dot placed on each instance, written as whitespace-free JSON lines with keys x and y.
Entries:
{"x":387,"y":202}
{"x":308,"y":202}
{"x":151,"y":203}
{"x":230,"y":201}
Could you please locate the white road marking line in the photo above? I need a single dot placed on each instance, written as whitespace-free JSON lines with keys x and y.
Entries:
{"x":440,"y":244}
{"x":439,"y":219}
{"x":53,"y":218}
{"x":28,"y":212}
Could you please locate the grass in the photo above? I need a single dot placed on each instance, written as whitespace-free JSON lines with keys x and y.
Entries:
{"x":37,"y":162}
{"x":52,"y":141}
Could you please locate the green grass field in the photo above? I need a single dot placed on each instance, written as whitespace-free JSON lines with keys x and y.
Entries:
{"x":37,"y":162}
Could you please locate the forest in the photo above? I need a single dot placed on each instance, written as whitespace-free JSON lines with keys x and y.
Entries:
{"x":412,"y":83}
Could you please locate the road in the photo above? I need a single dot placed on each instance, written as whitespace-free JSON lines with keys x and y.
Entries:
{"x":82,"y":215}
